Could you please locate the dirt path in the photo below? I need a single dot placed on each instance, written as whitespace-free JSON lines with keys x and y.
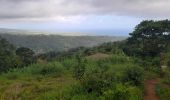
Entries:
{"x":150,"y":86}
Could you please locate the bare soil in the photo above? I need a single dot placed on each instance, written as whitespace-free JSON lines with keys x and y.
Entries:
{"x":150,"y":86}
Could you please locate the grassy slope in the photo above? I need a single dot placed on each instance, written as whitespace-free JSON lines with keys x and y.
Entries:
{"x":51,"y":81}
{"x":28,"y":84}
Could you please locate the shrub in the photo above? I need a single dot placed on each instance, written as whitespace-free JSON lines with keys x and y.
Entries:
{"x":118,"y":59}
{"x":117,"y":92}
{"x":97,"y":78}
{"x":135,"y":93}
{"x":26,"y":55}
{"x":166,"y":74}
{"x":162,"y":92}
{"x":168,"y":63}
{"x":11,"y":76}
{"x":133,"y":76}
{"x":94,"y":83}
{"x":69,"y":63}
{"x":79,"y":69}
{"x":52,"y":68}
{"x":168,"y":59}
{"x":156,"y":62}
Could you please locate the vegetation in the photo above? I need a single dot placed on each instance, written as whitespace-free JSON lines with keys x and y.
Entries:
{"x":94,"y":79}
{"x":48,"y":43}
{"x":110,"y":71}
{"x":26,"y":55}
{"x":149,"y":38}
{"x":8,"y":59}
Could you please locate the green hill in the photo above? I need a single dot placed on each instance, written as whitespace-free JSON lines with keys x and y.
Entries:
{"x":45,"y":43}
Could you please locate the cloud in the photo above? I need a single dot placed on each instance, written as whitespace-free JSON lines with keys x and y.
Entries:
{"x":15,"y":10}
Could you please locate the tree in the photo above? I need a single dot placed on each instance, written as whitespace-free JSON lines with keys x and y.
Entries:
{"x":8,"y":59}
{"x":80,"y":68}
{"x":26,"y":54}
{"x":149,"y":38}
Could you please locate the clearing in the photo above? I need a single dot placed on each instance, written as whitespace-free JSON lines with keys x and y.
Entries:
{"x":98,"y":56}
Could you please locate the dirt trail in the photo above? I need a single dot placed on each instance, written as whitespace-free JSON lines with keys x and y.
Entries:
{"x":150,"y":86}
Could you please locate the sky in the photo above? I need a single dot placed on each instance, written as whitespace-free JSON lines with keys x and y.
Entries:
{"x":99,"y":17}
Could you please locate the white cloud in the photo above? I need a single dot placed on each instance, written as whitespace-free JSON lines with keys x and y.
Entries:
{"x":73,"y":10}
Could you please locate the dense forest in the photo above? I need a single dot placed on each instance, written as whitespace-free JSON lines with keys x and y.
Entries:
{"x":40,"y":43}
{"x":119,"y":70}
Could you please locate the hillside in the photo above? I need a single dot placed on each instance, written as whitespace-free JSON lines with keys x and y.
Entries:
{"x":44,"y":43}
{"x":135,"y":69}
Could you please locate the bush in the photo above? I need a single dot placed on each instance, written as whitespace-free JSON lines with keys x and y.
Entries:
{"x":94,"y":83}
{"x":79,"y":69}
{"x":168,"y":63}
{"x":97,"y":77}
{"x":55,"y":68}
{"x":162,"y":92}
{"x":134,"y":76}
{"x":168,"y":59}
{"x":156,"y":62}
{"x":135,"y":93}
{"x":69,"y":63}
{"x":118,"y":59}
{"x":119,"y":92}
{"x":122,"y":92}
{"x":166,"y":78}
{"x":52,"y":68}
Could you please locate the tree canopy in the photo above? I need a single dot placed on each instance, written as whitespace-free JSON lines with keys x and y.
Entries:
{"x":26,"y":55}
{"x":149,"y":38}
{"x":7,"y":55}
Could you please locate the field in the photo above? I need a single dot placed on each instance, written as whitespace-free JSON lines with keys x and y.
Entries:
{"x":56,"y":81}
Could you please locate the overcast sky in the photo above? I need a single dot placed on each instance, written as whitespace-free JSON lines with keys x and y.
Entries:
{"x":103,"y":17}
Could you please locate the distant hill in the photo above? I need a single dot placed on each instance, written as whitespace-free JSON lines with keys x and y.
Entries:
{"x":45,"y":43}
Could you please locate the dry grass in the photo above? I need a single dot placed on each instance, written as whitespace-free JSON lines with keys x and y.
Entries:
{"x":98,"y":56}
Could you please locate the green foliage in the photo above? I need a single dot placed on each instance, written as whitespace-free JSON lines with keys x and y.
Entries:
{"x":70,"y":77}
{"x":97,"y":79}
{"x":122,"y":92}
{"x":149,"y":38}
{"x":119,"y":92}
{"x":70,"y":63}
{"x":52,"y":68}
{"x":168,"y":63}
{"x":166,"y":76}
{"x":163,"y":92}
{"x":79,"y":68}
{"x":156,"y":62}
{"x":168,"y":59}
{"x":101,"y":76}
{"x":110,"y":47}
{"x":149,"y":64}
{"x":134,"y":76}
{"x":26,"y":55}
{"x":47,"y":43}
{"x":8,"y":59}
{"x":135,"y":93}
{"x":119,"y":59}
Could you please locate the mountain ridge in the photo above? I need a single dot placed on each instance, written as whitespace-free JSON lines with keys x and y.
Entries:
{"x":42,"y":43}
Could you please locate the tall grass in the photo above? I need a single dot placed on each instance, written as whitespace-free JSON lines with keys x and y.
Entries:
{"x":35,"y":70}
{"x":102,"y":79}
